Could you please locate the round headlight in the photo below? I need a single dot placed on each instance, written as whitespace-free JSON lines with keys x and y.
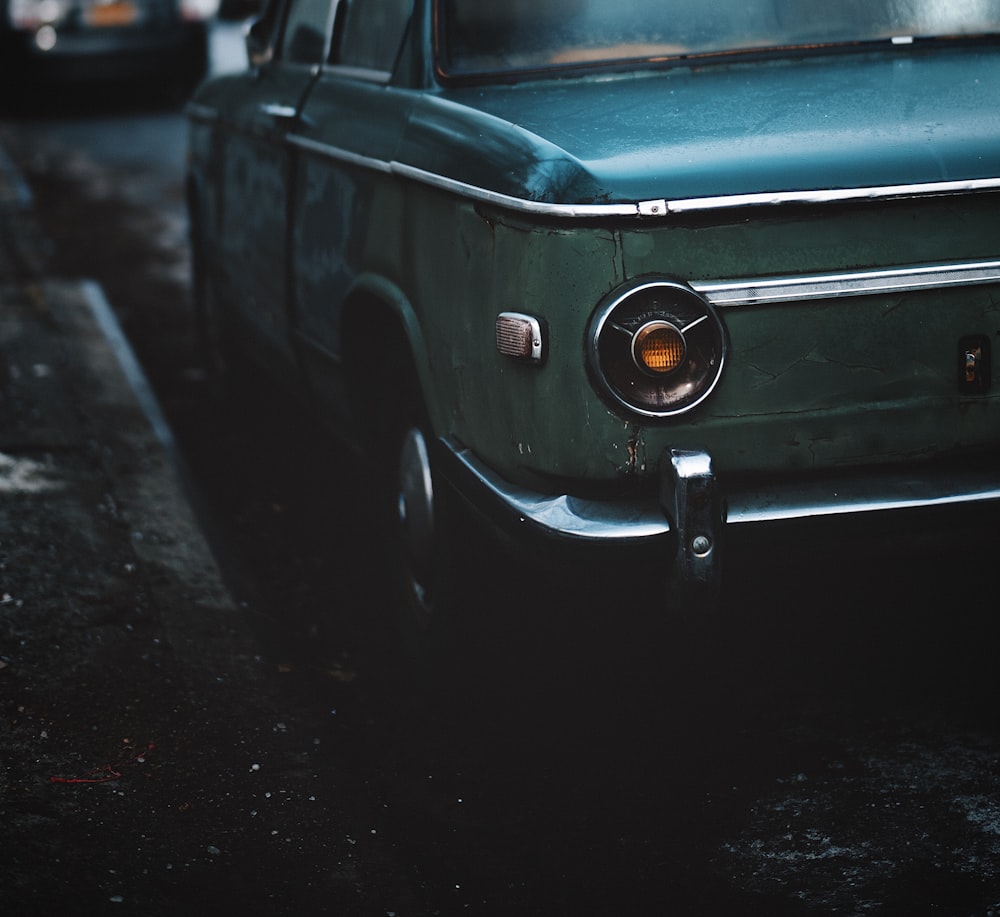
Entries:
{"x":656,"y":347}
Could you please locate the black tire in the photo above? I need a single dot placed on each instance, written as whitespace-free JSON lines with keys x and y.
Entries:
{"x":426,"y":555}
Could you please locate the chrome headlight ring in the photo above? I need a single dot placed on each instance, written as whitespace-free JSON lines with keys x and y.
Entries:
{"x":656,"y":347}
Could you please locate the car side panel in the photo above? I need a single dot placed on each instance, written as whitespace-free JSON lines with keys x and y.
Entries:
{"x":253,"y":183}
{"x":829,"y":384}
{"x":346,"y":216}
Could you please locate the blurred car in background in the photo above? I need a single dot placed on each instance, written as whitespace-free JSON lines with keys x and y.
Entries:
{"x":64,"y":41}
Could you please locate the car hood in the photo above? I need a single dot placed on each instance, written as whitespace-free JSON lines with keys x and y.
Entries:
{"x":845,"y":121}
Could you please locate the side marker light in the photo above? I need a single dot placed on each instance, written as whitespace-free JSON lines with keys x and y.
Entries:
{"x":519,"y":336}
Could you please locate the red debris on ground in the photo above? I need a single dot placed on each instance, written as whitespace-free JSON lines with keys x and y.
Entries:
{"x":108,"y":771}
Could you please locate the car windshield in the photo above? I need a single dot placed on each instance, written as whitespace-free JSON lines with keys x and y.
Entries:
{"x":480,"y":36}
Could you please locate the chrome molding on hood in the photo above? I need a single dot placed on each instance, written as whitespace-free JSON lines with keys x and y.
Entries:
{"x":830,"y":195}
{"x":645,"y":210}
{"x":659,"y":209}
{"x":650,"y":209}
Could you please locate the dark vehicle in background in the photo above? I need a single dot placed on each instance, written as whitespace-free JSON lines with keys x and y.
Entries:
{"x":63,"y":42}
{"x":647,"y":276}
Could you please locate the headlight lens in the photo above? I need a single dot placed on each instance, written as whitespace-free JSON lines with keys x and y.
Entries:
{"x":656,"y":347}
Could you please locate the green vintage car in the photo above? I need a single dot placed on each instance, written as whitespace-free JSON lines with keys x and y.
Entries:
{"x":633,"y":276}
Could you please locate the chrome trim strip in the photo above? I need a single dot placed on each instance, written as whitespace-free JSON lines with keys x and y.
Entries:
{"x":508,"y":202}
{"x":654,"y":209}
{"x":325,"y":151}
{"x":831,"y":196}
{"x":454,"y":186}
{"x":663,"y":208}
{"x":619,"y":520}
{"x":646,"y":210}
{"x":855,"y":283}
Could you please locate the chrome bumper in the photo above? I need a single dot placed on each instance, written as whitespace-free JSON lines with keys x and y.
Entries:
{"x":694,"y":509}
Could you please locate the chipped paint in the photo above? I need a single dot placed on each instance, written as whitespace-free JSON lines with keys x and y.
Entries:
{"x":635,"y":446}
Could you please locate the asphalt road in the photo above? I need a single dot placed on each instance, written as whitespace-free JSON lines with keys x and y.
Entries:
{"x":831,"y":746}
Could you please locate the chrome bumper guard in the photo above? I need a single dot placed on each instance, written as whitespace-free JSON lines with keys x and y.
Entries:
{"x":692,"y":505}
{"x":692,"y":500}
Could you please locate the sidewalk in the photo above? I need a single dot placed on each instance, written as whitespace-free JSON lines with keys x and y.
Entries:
{"x":80,"y":426}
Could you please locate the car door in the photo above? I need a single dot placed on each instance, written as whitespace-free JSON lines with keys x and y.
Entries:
{"x":257,"y":175}
{"x":346,"y":218}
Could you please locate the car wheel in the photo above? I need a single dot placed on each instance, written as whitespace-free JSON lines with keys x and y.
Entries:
{"x":415,"y":521}
{"x":426,"y":557}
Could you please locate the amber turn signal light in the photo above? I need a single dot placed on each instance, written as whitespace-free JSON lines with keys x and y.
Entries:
{"x":658,"y":348}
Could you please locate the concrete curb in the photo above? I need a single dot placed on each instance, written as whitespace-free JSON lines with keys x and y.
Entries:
{"x":74,"y":400}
